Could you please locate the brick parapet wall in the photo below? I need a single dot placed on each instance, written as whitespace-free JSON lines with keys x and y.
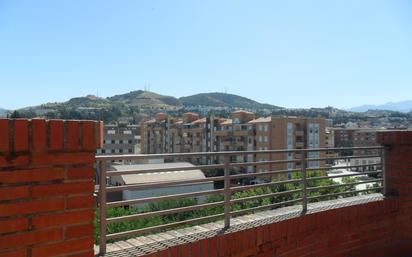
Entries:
{"x":46,"y":187}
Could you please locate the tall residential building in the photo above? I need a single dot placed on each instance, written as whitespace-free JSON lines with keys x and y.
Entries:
{"x":165,"y":134}
{"x":289,"y":133}
{"x":242,"y":132}
{"x":120,"y":138}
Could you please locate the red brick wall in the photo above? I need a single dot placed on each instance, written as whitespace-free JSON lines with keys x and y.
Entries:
{"x":46,"y":187}
{"x":377,"y":229}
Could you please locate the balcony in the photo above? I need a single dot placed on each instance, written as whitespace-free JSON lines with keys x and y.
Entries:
{"x":299,"y":133}
{"x":47,"y":204}
{"x":240,"y":133}
{"x":299,"y":144}
{"x":230,"y":211}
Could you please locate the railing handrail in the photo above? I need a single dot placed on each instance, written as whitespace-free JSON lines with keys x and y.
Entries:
{"x":304,"y":159}
{"x":175,"y":155}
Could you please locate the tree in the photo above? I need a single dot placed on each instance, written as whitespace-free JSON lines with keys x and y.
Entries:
{"x":15,"y":115}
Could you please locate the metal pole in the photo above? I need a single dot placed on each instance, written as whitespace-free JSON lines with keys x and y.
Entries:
{"x":102,"y":207}
{"x":304,"y":182}
{"x":227,"y":191}
{"x":383,"y":161}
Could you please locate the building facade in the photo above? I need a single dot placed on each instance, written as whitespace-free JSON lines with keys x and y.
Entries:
{"x":241,"y":132}
{"x":121,"y":138}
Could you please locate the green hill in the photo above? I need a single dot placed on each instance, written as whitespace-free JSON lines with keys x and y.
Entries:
{"x":146,"y":99}
{"x":224,"y":100}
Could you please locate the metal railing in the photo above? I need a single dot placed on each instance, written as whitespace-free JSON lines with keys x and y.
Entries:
{"x":276,"y":176}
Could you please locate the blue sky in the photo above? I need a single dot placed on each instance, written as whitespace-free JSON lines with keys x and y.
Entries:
{"x":287,"y":53}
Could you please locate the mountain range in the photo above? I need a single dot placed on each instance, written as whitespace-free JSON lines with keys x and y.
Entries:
{"x":140,"y":104}
{"x":404,"y":106}
{"x":150,"y":100}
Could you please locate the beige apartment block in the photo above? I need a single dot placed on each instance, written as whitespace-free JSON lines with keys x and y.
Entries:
{"x":242,"y":132}
{"x":278,"y":132}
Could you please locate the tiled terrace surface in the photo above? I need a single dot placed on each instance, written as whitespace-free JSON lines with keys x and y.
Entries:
{"x":145,"y":245}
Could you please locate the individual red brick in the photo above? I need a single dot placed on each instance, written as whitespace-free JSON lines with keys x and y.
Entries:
{"x":13,"y":225}
{"x":14,"y":253}
{"x":39,"y":135}
{"x":63,"y":189}
{"x":63,"y":158}
{"x":62,"y":248}
{"x":99,"y":132}
{"x":80,"y":202}
{"x":11,"y":193}
{"x":196,"y":249}
{"x":204,"y":247}
{"x":184,"y":250}
{"x":89,"y":142}
{"x":18,"y":161}
{"x":81,"y":173}
{"x":4,"y":135}
{"x":56,"y":134}
{"x":213,"y":247}
{"x":164,"y":253}
{"x":3,"y":161}
{"x":34,"y":237}
{"x":37,"y":206}
{"x":21,"y":135}
{"x":222,"y":247}
{"x":67,"y":218}
{"x":73,"y":140}
{"x":84,"y":254}
{"x":34,"y":175}
{"x":79,"y":231}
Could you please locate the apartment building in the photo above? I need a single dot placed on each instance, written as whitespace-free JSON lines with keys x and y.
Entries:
{"x":359,"y":137}
{"x":343,"y":136}
{"x":278,"y":132}
{"x":165,"y":134}
{"x":237,"y":134}
{"x":241,"y":132}
{"x":355,"y":137}
{"x":120,"y":138}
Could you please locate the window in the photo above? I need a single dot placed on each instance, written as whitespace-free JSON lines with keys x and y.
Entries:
{"x":111,"y":132}
{"x":266,"y":127}
{"x":266,"y":138}
{"x":127,"y":132}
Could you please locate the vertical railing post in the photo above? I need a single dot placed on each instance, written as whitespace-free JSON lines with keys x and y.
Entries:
{"x":227,"y":191}
{"x":102,"y":207}
{"x":383,"y":163}
{"x":304,"y":181}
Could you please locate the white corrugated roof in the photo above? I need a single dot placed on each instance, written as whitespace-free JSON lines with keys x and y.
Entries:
{"x":156,"y":177}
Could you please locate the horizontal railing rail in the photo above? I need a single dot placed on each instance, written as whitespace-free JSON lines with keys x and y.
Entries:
{"x":260,"y":180}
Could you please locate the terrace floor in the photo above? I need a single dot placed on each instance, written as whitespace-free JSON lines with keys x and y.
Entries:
{"x":144,"y":245}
